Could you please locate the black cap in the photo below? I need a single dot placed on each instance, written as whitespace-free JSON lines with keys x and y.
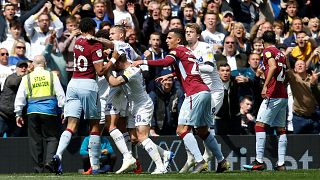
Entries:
{"x":22,"y":63}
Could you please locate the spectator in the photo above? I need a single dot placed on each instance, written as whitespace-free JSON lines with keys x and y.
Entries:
{"x":16,"y":34}
{"x":107,"y":159}
{"x":5,"y":70}
{"x":103,"y":12}
{"x":175,"y":6}
{"x":247,"y":119}
{"x":165,"y":15}
{"x":304,"y":48}
{"x":227,"y":22}
{"x":105,"y":25}
{"x":37,"y":36}
{"x":55,"y":60}
{"x":245,"y":12}
{"x":121,"y":16}
{"x":152,"y":23}
{"x":5,"y":19}
{"x":305,"y":92}
{"x":238,"y":31}
{"x":237,"y":61}
{"x":67,"y":41}
{"x":59,"y":11}
{"x":296,"y":27}
{"x":288,"y":12}
{"x":257,"y":46}
{"x":18,"y":53}
{"x":228,"y":117}
{"x":43,"y":95}
{"x":7,"y":116}
{"x":210,"y":35}
{"x":278,"y":29}
{"x":131,"y":38}
{"x":187,"y":14}
{"x":314,"y":27}
{"x":165,"y":100}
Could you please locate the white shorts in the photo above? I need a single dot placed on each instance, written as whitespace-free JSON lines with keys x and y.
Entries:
{"x":141,"y":115}
{"x":272,"y":111}
{"x":116,"y":102}
{"x":216,"y":101}
{"x":196,"y":110}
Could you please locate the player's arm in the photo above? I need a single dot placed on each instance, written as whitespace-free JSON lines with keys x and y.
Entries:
{"x":116,"y":81}
{"x":167,"y":61}
{"x":106,"y":42}
{"x":272,"y":69}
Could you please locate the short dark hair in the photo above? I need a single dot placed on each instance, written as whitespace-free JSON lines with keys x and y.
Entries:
{"x":248,"y":97}
{"x":223,"y":64}
{"x":104,"y":23}
{"x":102,"y":33}
{"x":180,"y":33}
{"x":269,"y":37}
{"x":15,"y":24}
{"x":87,"y":24}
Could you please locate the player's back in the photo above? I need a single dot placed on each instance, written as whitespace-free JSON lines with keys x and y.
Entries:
{"x":187,"y":71}
{"x":204,"y":54}
{"x":135,"y":87}
{"x":126,"y":48}
{"x":276,"y":88}
{"x":86,"y":53}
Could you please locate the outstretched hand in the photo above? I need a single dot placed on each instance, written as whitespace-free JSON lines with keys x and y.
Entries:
{"x":137,"y":63}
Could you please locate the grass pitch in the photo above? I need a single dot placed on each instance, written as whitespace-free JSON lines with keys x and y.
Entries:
{"x":283,"y":175}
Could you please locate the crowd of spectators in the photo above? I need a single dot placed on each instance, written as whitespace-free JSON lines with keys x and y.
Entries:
{"x":233,"y":28}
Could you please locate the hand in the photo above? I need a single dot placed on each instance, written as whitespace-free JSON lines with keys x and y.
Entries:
{"x":241,"y":79}
{"x":147,"y":54}
{"x":163,"y":78}
{"x":306,"y":38}
{"x":260,"y":71}
{"x":115,"y":55}
{"x":130,"y":7}
{"x":283,"y":5}
{"x":104,"y":151}
{"x":19,"y":121}
{"x":264,"y":92}
{"x":137,"y":63}
{"x":250,"y":117}
{"x":53,"y":36}
{"x":314,"y":78}
{"x":76,"y":9}
{"x":75,"y":32}
{"x":49,"y":6}
{"x":289,"y":50}
{"x":86,"y":7}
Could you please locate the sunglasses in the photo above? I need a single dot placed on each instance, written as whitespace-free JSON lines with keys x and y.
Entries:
{"x":3,"y":54}
{"x":229,"y":42}
{"x":21,"y":47}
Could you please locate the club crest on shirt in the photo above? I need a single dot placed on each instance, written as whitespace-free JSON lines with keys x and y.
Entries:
{"x":99,"y":52}
{"x":173,"y":52}
{"x":268,"y":54}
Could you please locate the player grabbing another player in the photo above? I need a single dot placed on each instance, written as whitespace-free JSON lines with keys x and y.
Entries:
{"x":140,"y":109}
{"x":196,"y":108}
{"x":82,"y":95}
{"x":273,"y":108}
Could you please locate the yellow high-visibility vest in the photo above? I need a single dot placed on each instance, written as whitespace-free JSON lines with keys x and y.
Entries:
{"x":39,"y":85}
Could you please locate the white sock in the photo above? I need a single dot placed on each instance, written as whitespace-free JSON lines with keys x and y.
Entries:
{"x":94,"y":149}
{"x":153,"y":152}
{"x":127,"y":139}
{"x":63,"y":143}
{"x":190,"y":157}
{"x":260,"y":143}
{"x":207,"y":153}
{"x":214,"y":147}
{"x":282,"y":147}
{"x":191,"y":143}
{"x":160,"y":150}
{"x":120,"y":143}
